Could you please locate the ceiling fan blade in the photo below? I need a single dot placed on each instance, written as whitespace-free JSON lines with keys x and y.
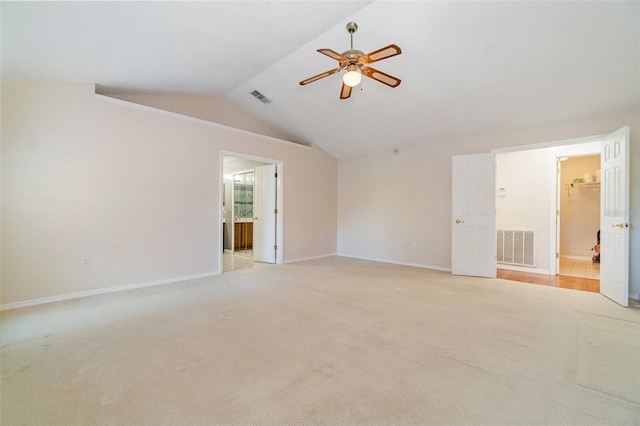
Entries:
{"x":330,"y":53}
{"x":384,"y":53}
{"x":345,"y":92}
{"x":319,"y":76}
{"x":387,"y":79}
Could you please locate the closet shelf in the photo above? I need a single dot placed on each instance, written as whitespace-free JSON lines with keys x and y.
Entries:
{"x":594,"y":185}
{"x":576,"y":184}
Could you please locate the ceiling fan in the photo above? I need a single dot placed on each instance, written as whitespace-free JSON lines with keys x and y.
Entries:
{"x":355,"y":62}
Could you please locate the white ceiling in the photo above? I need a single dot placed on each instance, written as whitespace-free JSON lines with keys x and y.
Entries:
{"x":466,"y":68}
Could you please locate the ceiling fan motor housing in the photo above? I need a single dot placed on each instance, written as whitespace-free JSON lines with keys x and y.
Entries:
{"x":352,"y":57}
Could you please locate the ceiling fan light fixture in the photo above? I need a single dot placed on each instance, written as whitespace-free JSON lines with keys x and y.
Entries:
{"x":352,"y":77}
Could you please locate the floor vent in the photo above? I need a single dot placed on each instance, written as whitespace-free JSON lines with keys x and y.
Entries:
{"x":516,"y":247}
{"x":262,"y":98}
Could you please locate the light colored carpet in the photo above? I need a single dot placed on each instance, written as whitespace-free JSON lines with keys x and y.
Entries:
{"x":329,"y":341}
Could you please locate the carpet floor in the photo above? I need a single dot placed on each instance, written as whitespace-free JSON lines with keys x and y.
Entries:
{"x":328,"y":341}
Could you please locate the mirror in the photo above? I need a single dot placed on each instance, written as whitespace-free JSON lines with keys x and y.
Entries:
{"x":243,"y":212}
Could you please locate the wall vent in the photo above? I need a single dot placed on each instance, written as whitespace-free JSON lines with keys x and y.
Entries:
{"x":516,"y":247}
{"x":262,"y":98}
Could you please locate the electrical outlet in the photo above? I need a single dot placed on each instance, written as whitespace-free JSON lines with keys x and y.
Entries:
{"x":414,"y":244}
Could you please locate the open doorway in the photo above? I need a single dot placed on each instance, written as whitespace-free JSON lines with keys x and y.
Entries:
{"x":578,"y":225}
{"x":251,"y":200}
{"x":543,"y":205}
{"x":538,"y":243}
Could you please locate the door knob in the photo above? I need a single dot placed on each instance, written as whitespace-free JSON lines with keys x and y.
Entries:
{"x":255,"y":218}
{"x":618,"y":225}
{"x":459,"y":221}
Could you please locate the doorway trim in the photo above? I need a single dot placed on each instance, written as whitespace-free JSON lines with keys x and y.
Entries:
{"x":564,"y":147}
{"x":279,"y":202}
{"x":594,"y":148}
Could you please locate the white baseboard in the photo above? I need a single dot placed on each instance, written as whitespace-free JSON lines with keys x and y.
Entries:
{"x":302,"y":259}
{"x":415,"y":265}
{"x":571,"y":257}
{"x":69,"y":296}
{"x":523,"y":269}
{"x":96,"y":292}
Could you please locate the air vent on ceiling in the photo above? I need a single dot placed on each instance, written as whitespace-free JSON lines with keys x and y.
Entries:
{"x":262,"y":98}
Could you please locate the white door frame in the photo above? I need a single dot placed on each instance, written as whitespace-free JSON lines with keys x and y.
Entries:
{"x":576,"y":150}
{"x":555,"y":268}
{"x":280,"y":200}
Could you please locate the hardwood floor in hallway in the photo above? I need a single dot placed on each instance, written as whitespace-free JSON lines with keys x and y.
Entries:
{"x":562,"y":281}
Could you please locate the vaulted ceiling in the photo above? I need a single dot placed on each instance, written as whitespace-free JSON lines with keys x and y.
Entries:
{"x":466,"y":67}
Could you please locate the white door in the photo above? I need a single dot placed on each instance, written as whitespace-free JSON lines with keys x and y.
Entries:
{"x":264,"y":214}
{"x":474,"y":216}
{"x":614,"y":217}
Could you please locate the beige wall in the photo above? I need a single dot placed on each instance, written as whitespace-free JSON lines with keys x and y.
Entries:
{"x":387,"y":200}
{"x":210,"y":108}
{"x":134,"y":190}
{"x":137,"y":191}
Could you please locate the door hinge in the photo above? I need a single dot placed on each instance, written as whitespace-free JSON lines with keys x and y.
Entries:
{"x":275,"y":211}
{"x":557,"y":255}
{"x":275,"y":247}
{"x":275,"y":174}
{"x":557,"y":212}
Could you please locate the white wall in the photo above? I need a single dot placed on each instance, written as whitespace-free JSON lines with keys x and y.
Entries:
{"x":135,"y":190}
{"x":385,"y":200}
{"x":526,"y":177}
